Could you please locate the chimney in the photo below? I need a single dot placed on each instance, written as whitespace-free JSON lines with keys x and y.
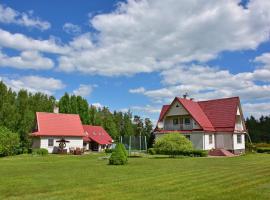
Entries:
{"x":56,"y":109}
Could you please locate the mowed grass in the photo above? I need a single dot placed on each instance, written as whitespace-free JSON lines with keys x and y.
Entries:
{"x":89,"y":177}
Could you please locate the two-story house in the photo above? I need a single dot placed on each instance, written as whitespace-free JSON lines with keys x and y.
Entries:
{"x":212,"y":124}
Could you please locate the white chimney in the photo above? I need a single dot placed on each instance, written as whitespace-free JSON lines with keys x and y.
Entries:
{"x":56,"y":109}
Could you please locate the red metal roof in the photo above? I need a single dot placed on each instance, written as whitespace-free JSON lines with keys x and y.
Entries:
{"x":52,"y":124}
{"x":164,"y":109}
{"x":97,"y":134}
{"x":211,"y":115}
{"x":197,"y":114}
{"x":221,"y":112}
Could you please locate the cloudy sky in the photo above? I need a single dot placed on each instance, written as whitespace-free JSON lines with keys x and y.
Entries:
{"x":139,"y":54}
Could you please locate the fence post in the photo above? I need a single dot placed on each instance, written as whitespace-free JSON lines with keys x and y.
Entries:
{"x":145,"y":142}
{"x":129,"y":146}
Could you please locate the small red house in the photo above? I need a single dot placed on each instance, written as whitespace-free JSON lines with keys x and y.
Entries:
{"x":96,"y":138}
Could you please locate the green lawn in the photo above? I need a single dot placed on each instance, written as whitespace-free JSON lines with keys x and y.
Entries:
{"x":89,"y":177}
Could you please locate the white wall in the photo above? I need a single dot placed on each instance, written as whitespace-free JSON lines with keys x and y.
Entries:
{"x":73,"y":142}
{"x":224,"y":141}
{"x":177,"y":110}
{"x":197,"y":140}
{"x":207,"y":145}
{"x":235,"y":144}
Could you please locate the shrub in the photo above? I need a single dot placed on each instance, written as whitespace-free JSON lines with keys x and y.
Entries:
{"x":262,"y":145}
{"x":263,"y":149}
{"x":118,"y":156}
{"x":9,"y":142}
{"x":109,"y":150}
{"x":40,"y":152}
{"x":250,"y":147}
{"x":152,"y":151}
{"x":124,"y":149}
{"x":172,"y":143}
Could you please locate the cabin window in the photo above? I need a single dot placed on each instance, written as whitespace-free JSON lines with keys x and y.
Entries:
{"x":175,"y":121}
{"x":177,"y":106}
{"x":187,"y":121}
{"x":50,"y":142}
{"x":210,"y":139}
{"x":187,"y":136}
{"x":239,"y":139}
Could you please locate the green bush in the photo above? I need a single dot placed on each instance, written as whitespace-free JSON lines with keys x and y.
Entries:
{"x":9,"y":142}
{"x":118,"y":156}
{"x":171,"y":143}
{"x":152,"y":151}
{"x":40,"y":152}
{"x":250,"y":148}
{"x":124,"y":149}
{"x":109,"y":150}
{"x":263,"y":149}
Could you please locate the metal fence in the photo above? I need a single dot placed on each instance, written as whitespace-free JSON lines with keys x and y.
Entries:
{"x":134,"y":143}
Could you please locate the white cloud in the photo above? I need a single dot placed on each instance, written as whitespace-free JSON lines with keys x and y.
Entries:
{"x":97,"y":105}
{"x":154,"y":35}
{"x":21,"y":42}
{"x":71,"y":29}
{"x":9,"y":15}
{"x":146,"y":109}
{"x":84,"y":90}
{"x":34,"y":84}
{"x":203,"y":82}
{"x":26,"y":60}
{"x":256,"y":109}
{"x":137,"y":90}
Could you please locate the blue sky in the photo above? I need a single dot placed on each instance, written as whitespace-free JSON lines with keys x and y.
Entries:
{"x":138,"y":55}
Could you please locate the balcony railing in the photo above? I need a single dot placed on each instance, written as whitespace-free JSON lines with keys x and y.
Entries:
{"x":178,"y":127}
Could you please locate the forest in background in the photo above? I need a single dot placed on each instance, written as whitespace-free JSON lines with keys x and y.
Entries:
{"x":17,"y":113}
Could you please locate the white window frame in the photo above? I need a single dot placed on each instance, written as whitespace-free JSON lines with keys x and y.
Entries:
{"x":211,"y":139}
{"x":239,"y":139}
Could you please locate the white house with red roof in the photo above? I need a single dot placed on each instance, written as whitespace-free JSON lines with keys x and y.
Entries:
{"x":53,"y":127}
{"x":212,"y":124}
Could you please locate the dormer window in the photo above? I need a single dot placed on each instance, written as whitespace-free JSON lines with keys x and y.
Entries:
{"x":177,"y":106}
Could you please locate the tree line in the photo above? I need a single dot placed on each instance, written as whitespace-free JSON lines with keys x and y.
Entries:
{"x":259,"y":129}
{"x":18,"y":114}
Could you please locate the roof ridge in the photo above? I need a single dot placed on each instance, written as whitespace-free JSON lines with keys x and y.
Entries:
{"x":58,"y":113}
{"x":235,"y":97}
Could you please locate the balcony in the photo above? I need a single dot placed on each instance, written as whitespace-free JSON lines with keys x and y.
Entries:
{"x":178,"y":127}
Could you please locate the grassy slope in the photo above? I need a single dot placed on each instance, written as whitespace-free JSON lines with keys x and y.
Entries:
{"x":87,"y":177}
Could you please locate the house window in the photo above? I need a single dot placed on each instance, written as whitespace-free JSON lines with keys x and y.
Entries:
{"x":210,"y":139}
{"x":50,"y":142}
{"x":175,"y":121}
{"x":177,"y":106}
{"x":187,"y":121}
{"x":239,"y":139}
{"x":187,"y":136}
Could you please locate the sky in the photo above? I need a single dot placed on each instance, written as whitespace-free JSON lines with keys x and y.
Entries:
{"x":139,"y":54}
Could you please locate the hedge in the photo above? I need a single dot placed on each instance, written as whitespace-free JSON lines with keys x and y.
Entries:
{"x":41,"y":152}
{"x":191,"y":153}
{"x":263,"y":149}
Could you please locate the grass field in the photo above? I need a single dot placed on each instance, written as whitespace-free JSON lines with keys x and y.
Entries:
{"x":89,"y":177}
